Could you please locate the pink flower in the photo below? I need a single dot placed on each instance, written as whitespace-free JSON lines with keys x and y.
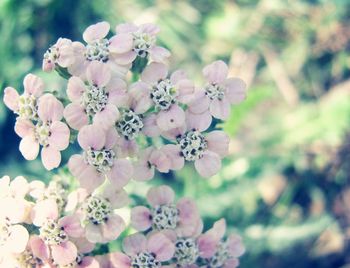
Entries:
{"x":99,"y":159}
{"x":219,"y":252}
{"x":205,"y":150}
{"x":143,"y":39}
{"x":166,"y":94}
{"x":54,"y":238}
{"x":95,"y":98}
{"x":97,"y":212}
{"x":219,"y":93}
{"x":25,"y":105}
{"x":99,"y":48}
{"x":144,"y":252}
{"x":60,"y":54}
{"x":48,"y":132}
{"x":164,"y":214}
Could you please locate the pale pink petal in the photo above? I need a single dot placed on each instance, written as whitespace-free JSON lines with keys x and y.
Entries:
{"x":117,"y":93}
{"x":75,"y":115}
{"x":173,"y":134}
{"x":87,"y":175}
{"x":19,"y":187}
{"x":11,"y":98}
{"x":160,"y":160}
{"x":107,"y":117}
{"x":161,"y":195}
{"x":141,"y":218}
{"x":126,"y":147}
{"x":75,"y":88}
{"x":208,"y":165}
{"x":18,"y":239}
{"x":143,"y":171}
{"x":140,"y":100}
{"x":121,"y":173}
{"x":159,"y":54}
{"x":111,"y":138}
{"x":161,"y":246}
{"x":150,"y":127}
{"x":83,"y":245}
{"x":125,"y":58}
{"x":200,"y":102}
{"x":207,"y":245}
{"x":39,"y":248}
{"x":220,"y":108}
{"x":218,"y":142}
{"x":172,"y":118}
{"x":117,"y":197}
{"x":149,"y":28}
{"x":235,"y":90}
{"x":218,"y":230}
{"x":59,"y":138}
{"x":154,"y":72}
{"x":71,"y":225}
{"x":98,"y":74}
{"x":235,"y":245}
{"x":96,"y":31}
{"x":121,"y":43}
{"x":200,"y":122}
{"x":50,"y":157}
{"x":29,"y":147}
{"x":134,"y":244}
{"x":185,"y":89}
{"x":188,"y":211}
{"x":50,"y":108}
{"x":33,"y":85}
{"x":64,"y":253}
{"x":113,"y":227}
{"x":89,"y":262}
{"x":178,"y":76}
{"x":216,"y":72}
{"x":91,"y":136}
{"x":43,"y":210}
{"x":173,"y":153}
{"x":93,"y":233}
{"x":24,"y":127}
{"x":120,"y":260}
{"x":126,"y":28}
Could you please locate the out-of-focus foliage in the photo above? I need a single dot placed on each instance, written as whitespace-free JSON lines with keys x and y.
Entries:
{"x":285,"y":186}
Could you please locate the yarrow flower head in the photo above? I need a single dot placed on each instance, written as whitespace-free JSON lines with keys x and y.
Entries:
{"x":61,"y":54}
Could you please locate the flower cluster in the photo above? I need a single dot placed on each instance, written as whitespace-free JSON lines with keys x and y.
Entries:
{"x":131,"y":117}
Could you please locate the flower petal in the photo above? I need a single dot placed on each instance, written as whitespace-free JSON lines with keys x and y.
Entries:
{"x":50,"y":108}
{"x":75,"y":88}
{"x":161,"y":246}
{"x":173,"y":153}
{"x":50,"y":157}
{"x":98,"y":74}
{"x":24,"y":127}
{"x":154,"y":72}
{"x":159,"y":54}
{"x":59,"y":138}
{"x":91,"y":136}
{"x":161,"y":195}
{"x":220,"y":108}
{"x":11,"y":98}
{"x":134,"y":244}
{"x":218,"y":142}
{"x":93,"y":233}
{"x":235,"y":90}
{"x":141,"y":218}
{"x":208,"y":165}
{"x":43,"y":210}
{"x":143,"y":171}
{"x":200,"y":122}
{"x":75,"y":115}
{"x":71,"y":225}
{"x":18,"y":239}
{"x":200,"y":102}
{"x":216,"y":72}
{"x":172,"y":118}
{"x":107,"y":117}
{"x":121,"y":173}
{"x":113,"y":227}
{"x":120,"y":260}
{"x":33,"y":85}
{"x":96,"y":31}
{"x":121,"y":43}
{"x":29,"y":147}
{"x":65,"y":253}
{"x":150,"y":127}
{"x":39,"y":248}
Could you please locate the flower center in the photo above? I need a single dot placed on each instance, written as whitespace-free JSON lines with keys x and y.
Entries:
{"x":214,"y":91}
{"x":186,"y":251}
{"x":97,"y":209}
{"x":221,"y":256}
{"x":27,"y":107}
{"x":102,"y":160}
{"x":97,"y":50}
{"x":193,"y":145}
{"x":142,"y":43}
{"x":165,"y":217}
{"x":42,"y":133}
{"x":4,"y":230}
{"x":145,"y":260}
{"x":94,"y":99}
{"x":52,"y":233}
{"x":27,"y":260}
{"x":129,"y":125}
{"x":52,"y":54}
{"x":163,"y":94}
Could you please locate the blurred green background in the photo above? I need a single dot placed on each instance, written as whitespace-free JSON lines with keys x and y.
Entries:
{"x":285,"y":186}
